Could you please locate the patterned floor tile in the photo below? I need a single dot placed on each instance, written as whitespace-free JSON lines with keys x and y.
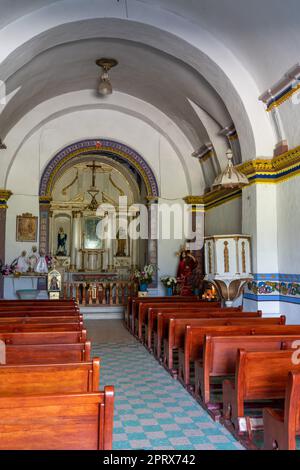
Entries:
{"x":152,"y":410}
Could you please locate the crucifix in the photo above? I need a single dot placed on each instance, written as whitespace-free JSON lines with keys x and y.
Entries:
{"x":94,"y":169}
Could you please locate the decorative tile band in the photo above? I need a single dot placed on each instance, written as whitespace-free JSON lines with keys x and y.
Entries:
{"x":274,"y":287}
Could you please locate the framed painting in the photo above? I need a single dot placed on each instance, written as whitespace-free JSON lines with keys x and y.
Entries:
{"x":27,"y":225}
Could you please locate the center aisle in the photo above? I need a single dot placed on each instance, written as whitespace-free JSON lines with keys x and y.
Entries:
{"x":152,"y":410}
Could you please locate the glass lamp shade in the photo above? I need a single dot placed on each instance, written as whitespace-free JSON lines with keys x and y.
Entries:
{"x":104,"y":87}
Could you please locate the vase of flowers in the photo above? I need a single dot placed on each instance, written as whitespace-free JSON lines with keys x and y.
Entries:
{"x":144,"y":277}
{"x":170,"y":283}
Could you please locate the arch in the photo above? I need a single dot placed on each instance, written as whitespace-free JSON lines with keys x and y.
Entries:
{"x":99,"y":146}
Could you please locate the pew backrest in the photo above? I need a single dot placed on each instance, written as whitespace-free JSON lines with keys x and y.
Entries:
{"x":35,"y":379}
{"x":57,"y":422}
{"x":47,"y":353}
{"x":47,"y":337}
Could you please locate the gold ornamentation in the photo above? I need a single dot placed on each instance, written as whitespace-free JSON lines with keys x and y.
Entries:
{"x":283,"y":99}
{"x":226,"y":257}
{"x":243,"y":257}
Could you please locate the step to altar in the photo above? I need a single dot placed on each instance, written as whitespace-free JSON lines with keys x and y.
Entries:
{"x":103,"y":312}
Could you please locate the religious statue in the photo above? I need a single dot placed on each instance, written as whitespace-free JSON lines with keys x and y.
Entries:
{"x":121,"y":242}
{"x":54,"y":284}
{"x":187,"y":265}
{"x":22,"y":263}
{"x":61,"y":243}
{"x":33,"y":259}
{"x":42,"y":266}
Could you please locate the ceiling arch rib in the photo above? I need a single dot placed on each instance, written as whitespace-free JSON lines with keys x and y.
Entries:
{"x":183,"y":39}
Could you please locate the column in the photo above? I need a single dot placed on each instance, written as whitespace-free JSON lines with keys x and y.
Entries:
{"x":76,"y":237}
{"x":152,"y":252}
{"x":45,"y":204}
{"x":260,"y":221}
{"x":4,"y":197}
{"x":197,"y":224}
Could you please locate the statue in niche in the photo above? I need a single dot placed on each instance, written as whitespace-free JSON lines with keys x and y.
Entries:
{"x":61,"y":243}
{"x":121,"y":238}
{"x":186,"y":268}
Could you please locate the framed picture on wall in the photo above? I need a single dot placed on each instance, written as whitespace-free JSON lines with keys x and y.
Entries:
{"x":27,"y":226}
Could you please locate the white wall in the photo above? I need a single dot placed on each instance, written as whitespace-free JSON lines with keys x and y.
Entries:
{"x":225,"y":219}
{"x":32,"y":157}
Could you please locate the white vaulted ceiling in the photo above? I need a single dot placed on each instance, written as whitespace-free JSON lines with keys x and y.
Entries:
{"x":218,"y":54}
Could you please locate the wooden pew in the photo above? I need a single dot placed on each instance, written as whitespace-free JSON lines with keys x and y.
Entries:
{"x":259,"y":376}
{"x":133,"y":302}
{"x":175,"y":331}
{"x":137,"y":301}
{"x":37,"y":320}
{"x":219,"y":358}
{"x":47,"y":337}
{"x":35,"y":379}
{"x":142,"y":317}
{"x":37,"y":311}
{"x":281,"y":427}
{"x":38,"y":301}
{"x":57,"y":422}
{"x":47,"y":353}
{"x":192,"y":350}
{"x":163,"y":317}
{"x":75,"y":326}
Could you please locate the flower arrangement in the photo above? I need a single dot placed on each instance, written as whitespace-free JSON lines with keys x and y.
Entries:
{"x":145,"y":276}
{"x":169,"y":281}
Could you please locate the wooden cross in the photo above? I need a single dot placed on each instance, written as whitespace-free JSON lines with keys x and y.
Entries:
{"x":94,"y":168}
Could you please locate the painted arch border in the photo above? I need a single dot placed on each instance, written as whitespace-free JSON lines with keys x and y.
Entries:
{"x":121,"y":150}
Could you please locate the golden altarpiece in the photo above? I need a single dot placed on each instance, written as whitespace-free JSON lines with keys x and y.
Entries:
{"x":82,"y":197}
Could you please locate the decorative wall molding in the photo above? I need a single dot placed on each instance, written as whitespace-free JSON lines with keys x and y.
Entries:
{"x":283,"y":90}
{"x":4,"y":197}
{"x":274,"y":287}
{"x":98,"y":147}
{"x":213,"y":198}
{"x":275,"y":170}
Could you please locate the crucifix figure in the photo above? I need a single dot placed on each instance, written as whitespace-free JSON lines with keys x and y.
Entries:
{"x":94,"y":169}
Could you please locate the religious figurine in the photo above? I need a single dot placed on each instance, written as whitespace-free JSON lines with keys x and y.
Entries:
{"x":33,"y":259}
{"x":186,"y":267}
{"x":22,"y":263}
{"x":61,"y":243}
{"x":121,"y":242}
{"x":54,"y":284}
{"x":42,"y":266}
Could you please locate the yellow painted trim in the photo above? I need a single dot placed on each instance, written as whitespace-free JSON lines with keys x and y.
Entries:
{"x":283,"y":99}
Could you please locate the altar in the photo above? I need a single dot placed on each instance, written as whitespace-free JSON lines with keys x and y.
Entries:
{"x":84,"y":210}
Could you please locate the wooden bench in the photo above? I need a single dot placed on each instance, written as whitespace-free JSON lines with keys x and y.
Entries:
{"x":142,"y":318}
{"x":219,"y":358}
{"x":57,"y":422}
{"x":35,"y":379}
{"x":175,"y":331}
{"x":47,"y":353}
{"x":133,"y":302}
{"x":38,"y":312}
{"x":281,"y":427}
{"x":259,"y":376}
{"x":192,"y":350}
{"x":137,"y":301}
{"x":37,"y":320}
{"x":163,"y":317}
{"x":75,"y":326}
{"x":47,"y":337}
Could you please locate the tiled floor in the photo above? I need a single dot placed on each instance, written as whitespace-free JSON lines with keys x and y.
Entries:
{"x":152,"y":411}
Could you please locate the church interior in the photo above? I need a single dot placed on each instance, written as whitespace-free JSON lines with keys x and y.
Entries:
{"x":149,"y":225}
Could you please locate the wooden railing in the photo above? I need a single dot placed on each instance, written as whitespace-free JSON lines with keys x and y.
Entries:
{"x":100,"y":293}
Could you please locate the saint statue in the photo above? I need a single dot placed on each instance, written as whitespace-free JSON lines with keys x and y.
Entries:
{"x":121,"y":242}
{"x":61,"y":243}
{"x":42,"y":266}
{"x":33,"y":259}
{"x":22,"y":263}
{"x":187,"y":265}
